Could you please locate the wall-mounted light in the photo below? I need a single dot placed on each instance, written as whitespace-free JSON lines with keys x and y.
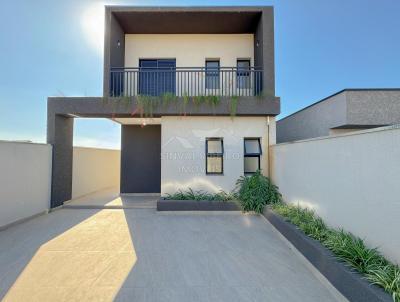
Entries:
{"x":118,"y":43}
{"x":257,"y":43}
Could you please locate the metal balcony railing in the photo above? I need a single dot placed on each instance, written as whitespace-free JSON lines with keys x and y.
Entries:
{"x":186,"y":81}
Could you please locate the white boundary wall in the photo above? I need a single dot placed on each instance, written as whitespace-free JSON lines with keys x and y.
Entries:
{"x":352,"y":181}
{"x":94,"y":170}
{"x":25,"y":178}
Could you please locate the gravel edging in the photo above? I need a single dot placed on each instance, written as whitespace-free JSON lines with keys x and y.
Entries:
{"x":349,"y":283}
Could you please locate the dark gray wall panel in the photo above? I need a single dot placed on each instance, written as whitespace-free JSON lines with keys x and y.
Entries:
{"x":115,"y":107}
{"x":114,"y":54}
{"x":264,"y":49}
{"x":141,"y":159}
{"x":60,"y":136}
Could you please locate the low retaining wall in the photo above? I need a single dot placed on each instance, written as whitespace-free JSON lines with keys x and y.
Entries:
{"x":351,"y":181}
{"x":194,"y":205}
{"x":349,"y":283}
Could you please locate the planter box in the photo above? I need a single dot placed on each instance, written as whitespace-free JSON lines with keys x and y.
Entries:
{"x":194,"y":205}
{"x":348,"y":282}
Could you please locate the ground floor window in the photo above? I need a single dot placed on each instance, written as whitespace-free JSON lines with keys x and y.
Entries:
{"x":214,"y":155}
{"x":252,"y":155}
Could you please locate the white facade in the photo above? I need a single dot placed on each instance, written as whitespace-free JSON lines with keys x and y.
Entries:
{"x":183,"y":150}
{"x":189,"y":50}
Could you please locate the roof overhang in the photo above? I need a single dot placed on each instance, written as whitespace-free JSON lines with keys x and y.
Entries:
{"x":187,"y":20}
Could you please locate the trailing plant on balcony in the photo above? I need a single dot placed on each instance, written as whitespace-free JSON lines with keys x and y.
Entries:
{"x":147,"y":104}
{"x":233,"y":105}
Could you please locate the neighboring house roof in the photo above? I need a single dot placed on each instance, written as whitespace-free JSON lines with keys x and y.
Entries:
{"x":336,"y":93}
{"x":346,"y":109}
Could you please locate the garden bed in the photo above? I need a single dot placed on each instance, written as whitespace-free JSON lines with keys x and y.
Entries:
{"x":196,"y":205}
{"x":348,"y":282}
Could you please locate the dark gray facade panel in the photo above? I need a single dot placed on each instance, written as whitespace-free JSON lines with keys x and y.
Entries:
{"x":268,"y":51}
{"x":140,"y":159}
{"x":114,"y":47}
{"x":60,"y":135}
{"x":114,"y":107}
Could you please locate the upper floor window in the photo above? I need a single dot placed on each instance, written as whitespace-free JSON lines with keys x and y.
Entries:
{"x":214,"y":155}
{"x":243,"y":74}
{"x":212,"y":74}
{"x":252,"y":155}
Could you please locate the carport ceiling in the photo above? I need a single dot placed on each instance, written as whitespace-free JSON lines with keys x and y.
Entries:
{"x":189,"y":21}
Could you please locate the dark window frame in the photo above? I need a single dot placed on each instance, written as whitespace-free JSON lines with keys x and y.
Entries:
{"x":243,"y":75}
{"x":212,"y":74}
{"x":221,"y":155}
{"x":148,"y":82}
{"x":248,"y":154}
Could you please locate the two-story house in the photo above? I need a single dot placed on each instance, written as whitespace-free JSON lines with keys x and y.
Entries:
{"x":194,"y":91}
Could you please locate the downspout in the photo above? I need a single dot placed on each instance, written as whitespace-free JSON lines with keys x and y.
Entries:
{"x":268,"y":150}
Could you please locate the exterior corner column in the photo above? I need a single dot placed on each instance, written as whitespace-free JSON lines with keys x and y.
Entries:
{"x":60,"y":136}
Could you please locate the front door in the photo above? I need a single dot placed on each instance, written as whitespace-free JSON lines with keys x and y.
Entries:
{"x":157,"y":76}
{"x":140,"y":159}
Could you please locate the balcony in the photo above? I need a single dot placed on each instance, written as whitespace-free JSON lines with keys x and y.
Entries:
{"x":186,"y":81}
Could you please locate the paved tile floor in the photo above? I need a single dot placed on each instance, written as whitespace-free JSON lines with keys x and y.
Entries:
{"x":141,"y":255}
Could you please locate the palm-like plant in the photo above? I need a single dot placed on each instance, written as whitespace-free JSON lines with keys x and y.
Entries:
{"x":255,"y":192}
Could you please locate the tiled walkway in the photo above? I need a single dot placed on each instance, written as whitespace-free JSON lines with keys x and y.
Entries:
{"x":141,"y":255}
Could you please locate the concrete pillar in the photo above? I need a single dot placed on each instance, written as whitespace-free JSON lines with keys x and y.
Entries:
{"x":60,"y":130}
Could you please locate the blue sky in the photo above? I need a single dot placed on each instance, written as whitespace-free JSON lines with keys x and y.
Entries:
{"x":52,"y":48}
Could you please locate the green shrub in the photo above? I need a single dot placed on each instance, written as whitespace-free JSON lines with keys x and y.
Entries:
{"x":190,"y":194}
{"x":387,"y":277}
{"x":351,"y":249}
{"x":256,"y":191}
{"x":347,"y":247}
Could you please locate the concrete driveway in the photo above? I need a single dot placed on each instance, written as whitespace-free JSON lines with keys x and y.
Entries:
{"x":141,"y":255}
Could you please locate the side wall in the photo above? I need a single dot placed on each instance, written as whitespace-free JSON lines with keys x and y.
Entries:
{"x":351,"y":181}
{"x":183,"y":150}
{"x":25,"y":178}
{"x":94,"y":170}
{"x":314,"y":121}
{"x":189,"y":50}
